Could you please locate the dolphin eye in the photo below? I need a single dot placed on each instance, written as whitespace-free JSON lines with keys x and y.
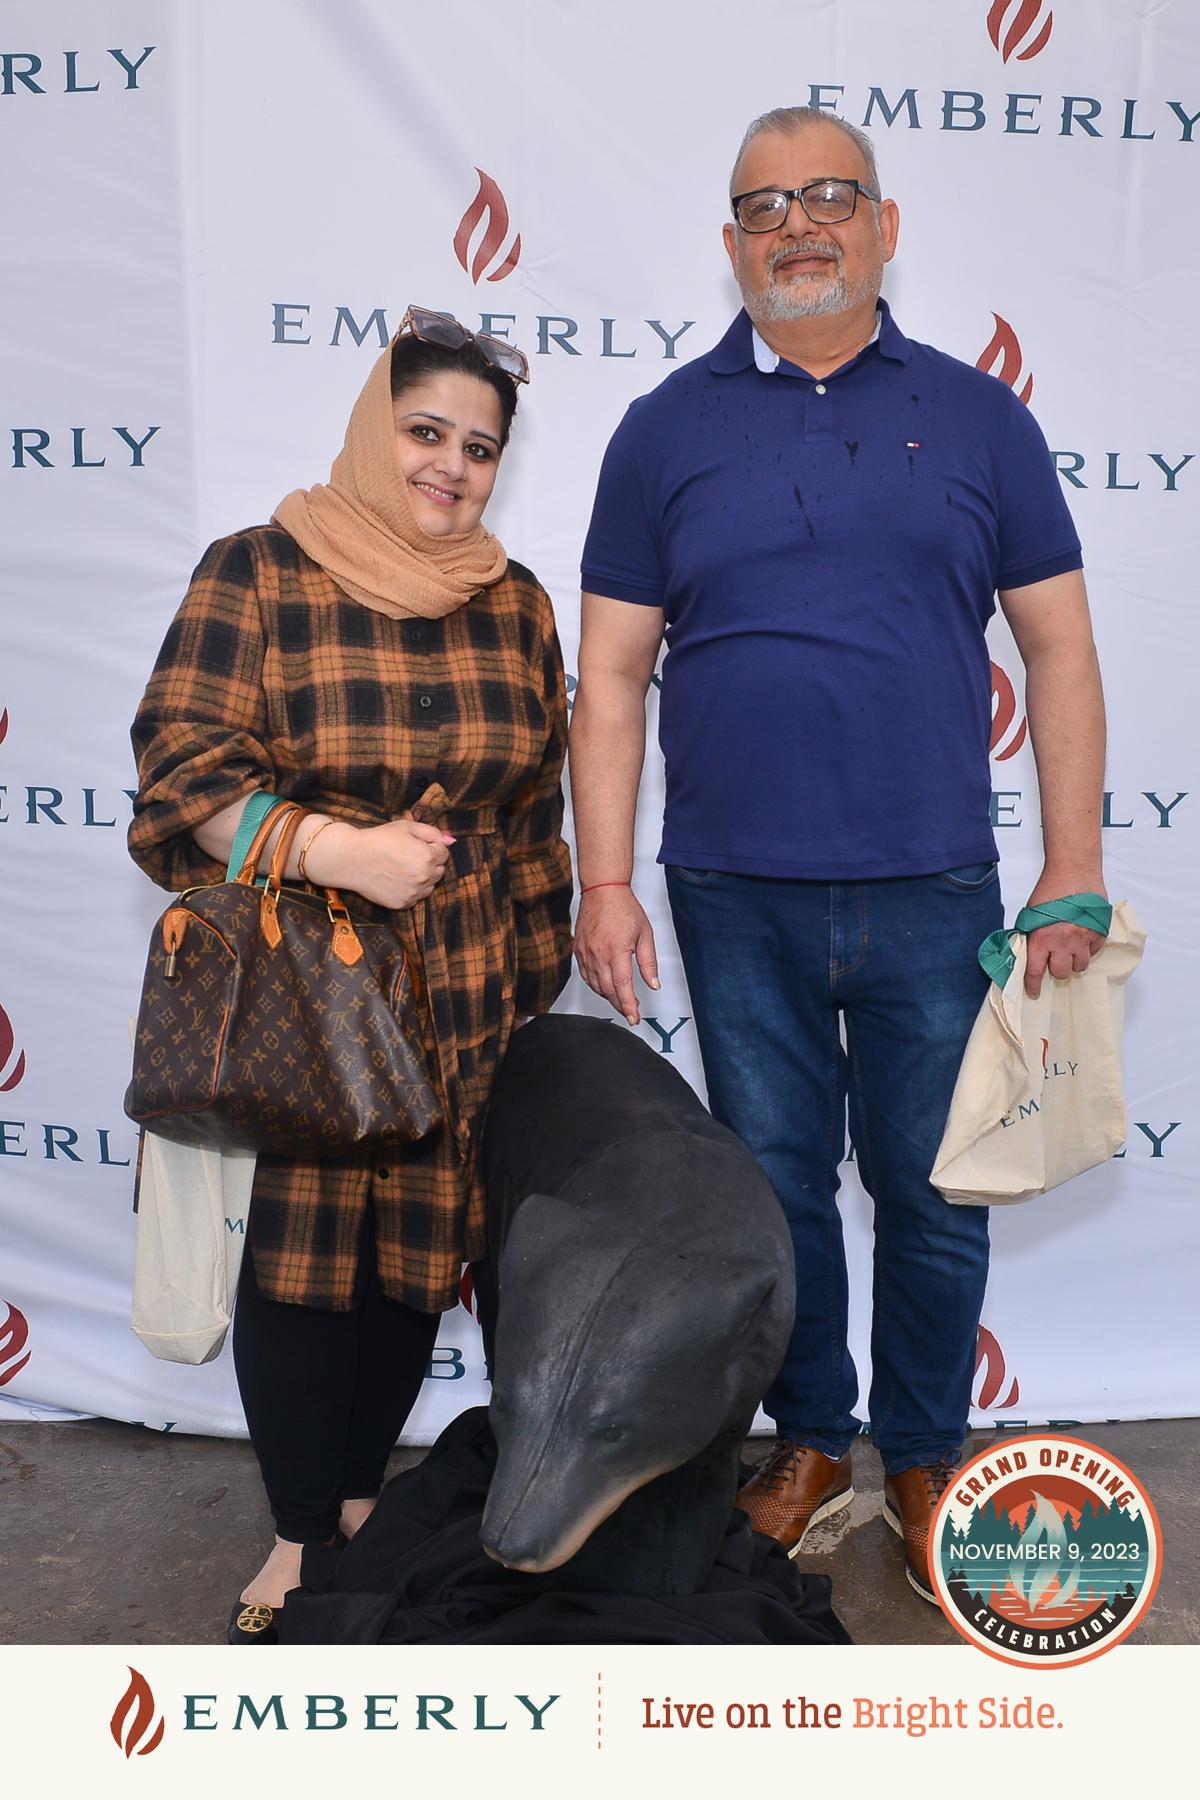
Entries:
{"x":612,"y":1434}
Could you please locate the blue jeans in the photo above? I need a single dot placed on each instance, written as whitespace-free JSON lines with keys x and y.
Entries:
{"x":770,"y":964}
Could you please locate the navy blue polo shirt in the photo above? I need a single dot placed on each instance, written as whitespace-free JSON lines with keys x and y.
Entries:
{"x":826,"y":554}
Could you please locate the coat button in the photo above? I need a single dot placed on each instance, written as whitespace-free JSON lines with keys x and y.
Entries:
{"x":425,"y":700}
{"x":382,"y":1174}
{"x":820,"y":388}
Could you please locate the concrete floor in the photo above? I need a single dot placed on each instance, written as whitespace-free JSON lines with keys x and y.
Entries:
{"x":112,"y":1534}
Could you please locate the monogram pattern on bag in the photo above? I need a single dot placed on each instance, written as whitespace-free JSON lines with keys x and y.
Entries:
{"x":285,"y":1051}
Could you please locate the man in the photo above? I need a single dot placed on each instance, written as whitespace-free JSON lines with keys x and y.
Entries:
{"x":819,"y":513}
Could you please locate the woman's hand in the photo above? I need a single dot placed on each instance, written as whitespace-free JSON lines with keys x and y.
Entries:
{"x":394,"y":865}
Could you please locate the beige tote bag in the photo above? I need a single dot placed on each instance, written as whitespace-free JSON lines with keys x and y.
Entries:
{"x":191,"y":1229}
{"x":1039,"y":1097}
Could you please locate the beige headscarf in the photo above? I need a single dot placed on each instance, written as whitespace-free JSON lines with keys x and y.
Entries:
{"x":362,"y":529}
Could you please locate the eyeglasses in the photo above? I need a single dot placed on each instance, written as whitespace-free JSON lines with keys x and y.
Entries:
{"x":826,"y":202}
{"x":444,"y":329}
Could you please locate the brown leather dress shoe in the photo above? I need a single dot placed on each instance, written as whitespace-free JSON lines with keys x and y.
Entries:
{"x":909,"y":1503}
{"x":794,"y":1488}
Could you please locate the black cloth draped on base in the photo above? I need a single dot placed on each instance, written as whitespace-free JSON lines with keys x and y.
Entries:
{"x":415,"y":1574}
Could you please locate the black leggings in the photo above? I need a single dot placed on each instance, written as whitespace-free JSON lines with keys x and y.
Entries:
{"x":325,"y":1395}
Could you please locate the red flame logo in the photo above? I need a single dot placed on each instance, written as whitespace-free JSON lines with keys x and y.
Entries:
{"x":138,"y":1700}
{"x":1004,"y":711}
{"x":1005,"y":348}
{"x":1026,"y":14}
{"x":8,"y":1039}
{"x":14,"y":1335}
{"x":990,"y":1358}
{"x":466,"y":1293}
{"x":3,"y":725}
{"x":488,"y":203}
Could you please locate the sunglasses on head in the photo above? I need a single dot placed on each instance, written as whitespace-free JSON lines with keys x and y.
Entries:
{"x":446,"y":331}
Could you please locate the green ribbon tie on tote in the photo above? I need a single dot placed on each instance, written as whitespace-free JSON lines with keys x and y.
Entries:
{"x":1091,"y":911}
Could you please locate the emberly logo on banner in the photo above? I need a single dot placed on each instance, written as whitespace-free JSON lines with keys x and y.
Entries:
{"x":1004,"y":712}
{"x":1070,"y":465}
{"x":138,"y":1700}
{"x":292,"y":323}
{"x":1014,"y":115}
{"x":1026,"y":31}
{"x":489,"y":204}
{"x":58,"y":1141}
{"x":989,"y":1358}
{"x":40,"y":803}
{"x":20,"y":69}
{"x":32,"y":446}
{"x":468,"y":1297}
{"x":11,"y":1074}
{"x":14,"y":1335}
{"x":1157,"y":813}
{"x":1004,"y":347}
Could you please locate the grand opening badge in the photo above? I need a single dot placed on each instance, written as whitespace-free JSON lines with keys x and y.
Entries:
{"x":1045,"y":1550}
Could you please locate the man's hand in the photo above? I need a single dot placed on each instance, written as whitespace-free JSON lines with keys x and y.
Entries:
{"x":612,"y":931}
{"x":1064,"y":950}
{"x":617,"y":652}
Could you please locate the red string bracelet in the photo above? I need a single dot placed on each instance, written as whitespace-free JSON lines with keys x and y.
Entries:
{"x":596,"y":884}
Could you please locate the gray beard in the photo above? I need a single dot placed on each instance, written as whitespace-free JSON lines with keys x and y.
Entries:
{"x":778,"y":302}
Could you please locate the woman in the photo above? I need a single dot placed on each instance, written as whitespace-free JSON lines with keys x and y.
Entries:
{"x":373,"y":654}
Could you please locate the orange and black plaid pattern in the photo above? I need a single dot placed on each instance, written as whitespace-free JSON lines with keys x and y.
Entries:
{"x":271,"y":677}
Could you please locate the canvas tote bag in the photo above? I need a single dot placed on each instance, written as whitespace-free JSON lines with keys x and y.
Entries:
{"x":193,"y":1207}
{"x":1039,"y":1096}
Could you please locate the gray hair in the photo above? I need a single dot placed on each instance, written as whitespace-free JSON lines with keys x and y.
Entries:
{"x":795,"y":118}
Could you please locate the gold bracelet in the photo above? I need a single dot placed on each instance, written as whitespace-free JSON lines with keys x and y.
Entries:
{"x":309,"y":841}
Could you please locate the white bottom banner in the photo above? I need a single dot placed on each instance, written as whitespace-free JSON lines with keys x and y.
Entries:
{"x":526,"y":1719}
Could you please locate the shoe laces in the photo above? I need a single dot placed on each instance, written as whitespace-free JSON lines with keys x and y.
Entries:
{"x":939,"y":1475}
{"x":775,"y":1471}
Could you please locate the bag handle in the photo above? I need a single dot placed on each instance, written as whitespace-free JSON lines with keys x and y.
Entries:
{"x":347,"y":945}
{"x":268,"y":918}
{"x":249,"y":868}
{"x":1092,"y":911}
{"x":283,"y":848}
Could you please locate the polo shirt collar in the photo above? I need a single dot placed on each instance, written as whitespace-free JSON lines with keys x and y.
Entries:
{"x":735,"y":351}
{"x":766,"y":360}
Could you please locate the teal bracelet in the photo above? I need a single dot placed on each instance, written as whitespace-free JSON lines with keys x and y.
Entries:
{"x":253,"y":813}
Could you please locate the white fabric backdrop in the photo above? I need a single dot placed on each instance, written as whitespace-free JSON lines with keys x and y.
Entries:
{"x":198,"y":227}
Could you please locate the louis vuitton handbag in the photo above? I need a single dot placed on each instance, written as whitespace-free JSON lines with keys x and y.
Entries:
{"x":272,"y":1020}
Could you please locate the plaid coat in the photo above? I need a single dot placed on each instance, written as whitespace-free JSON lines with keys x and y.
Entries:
{"x":271,"y":677}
